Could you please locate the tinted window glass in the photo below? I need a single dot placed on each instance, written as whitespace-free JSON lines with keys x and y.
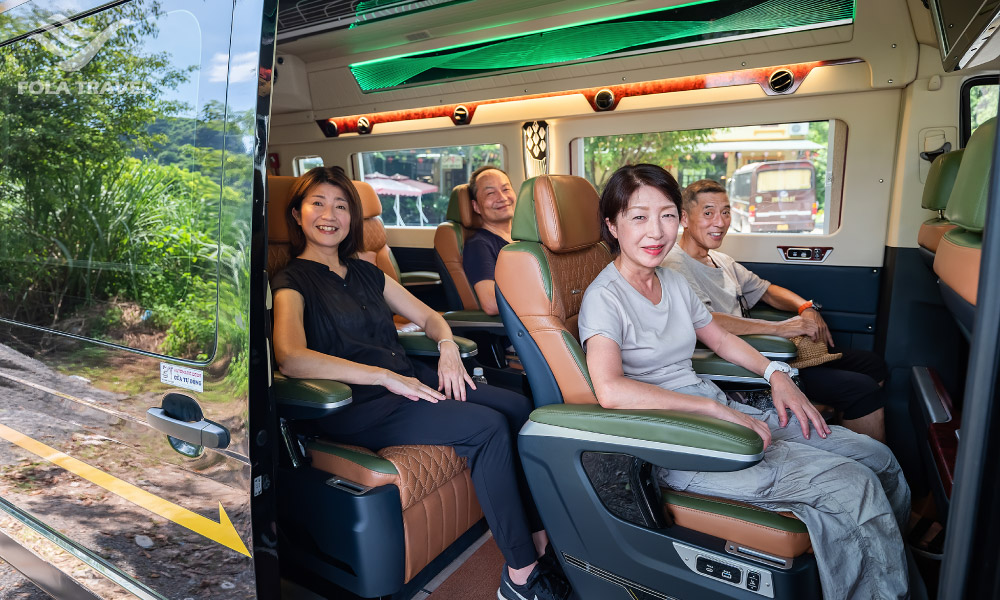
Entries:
{"x":778,"y":176}
{"x":415,"y":185}
{"x":111,"y":159}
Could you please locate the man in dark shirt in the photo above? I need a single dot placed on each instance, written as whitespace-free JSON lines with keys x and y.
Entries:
{"x":493,"y":199}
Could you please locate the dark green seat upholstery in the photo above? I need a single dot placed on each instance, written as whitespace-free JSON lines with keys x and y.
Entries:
{"x":959,"y":254}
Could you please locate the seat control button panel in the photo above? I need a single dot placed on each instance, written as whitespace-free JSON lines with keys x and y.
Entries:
{"x":753,"y":581}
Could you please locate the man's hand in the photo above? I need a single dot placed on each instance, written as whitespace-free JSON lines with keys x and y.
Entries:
{"x":787,"y":396}
{"x":796,"y":326}
{"x":823,"y":332}
{"x":452,"y":375}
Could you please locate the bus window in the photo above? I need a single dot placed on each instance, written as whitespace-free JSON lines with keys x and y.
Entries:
{"x":111,"y":171}
{"x":415,"y":185}
{"x":301,"y":164}
{"x":780,"y":177}
{"x":979,"y":103}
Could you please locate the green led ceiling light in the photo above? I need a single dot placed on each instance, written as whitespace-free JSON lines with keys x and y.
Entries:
{"x":370,"y":11}
{"x":698,"y":23}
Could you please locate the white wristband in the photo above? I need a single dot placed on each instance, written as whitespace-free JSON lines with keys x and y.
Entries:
{"x":773,"y":366}
{"x":446,"y":340}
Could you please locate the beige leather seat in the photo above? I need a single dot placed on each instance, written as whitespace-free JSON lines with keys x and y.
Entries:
{"x":376,"y":249}
{"x":461,"y":222}
{"x":376,"y":242}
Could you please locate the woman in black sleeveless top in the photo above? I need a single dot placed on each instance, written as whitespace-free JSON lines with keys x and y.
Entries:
{"x":333,"y":319}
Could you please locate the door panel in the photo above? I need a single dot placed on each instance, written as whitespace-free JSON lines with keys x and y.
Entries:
{"x":849,"y":296}
{"x":128,"y":171}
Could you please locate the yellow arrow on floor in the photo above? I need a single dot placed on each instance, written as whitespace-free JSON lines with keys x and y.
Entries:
{"x":222,"y":532}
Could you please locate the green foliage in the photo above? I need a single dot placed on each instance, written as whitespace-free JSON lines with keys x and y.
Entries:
{"x":819,"y":132}
{"x":669,"y":149}
{"x":983,"y":103}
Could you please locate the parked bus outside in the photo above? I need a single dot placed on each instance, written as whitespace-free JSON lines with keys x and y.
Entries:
{"x":774,"y":196}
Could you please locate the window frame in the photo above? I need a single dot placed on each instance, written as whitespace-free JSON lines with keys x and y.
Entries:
{"x":964,"y":105}
{"x":297,"y":170}
{"x":837,"y":143}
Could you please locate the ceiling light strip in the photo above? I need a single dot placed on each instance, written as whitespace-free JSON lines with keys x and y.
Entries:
{"x":463,"y":113}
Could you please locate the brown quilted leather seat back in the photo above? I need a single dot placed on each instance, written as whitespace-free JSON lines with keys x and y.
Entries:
{"x":460,"y":223}
{"x":543,"y":275}
{"x":435,"y":490}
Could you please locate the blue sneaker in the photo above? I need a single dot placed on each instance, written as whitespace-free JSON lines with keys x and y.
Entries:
{"x":540,"y":586}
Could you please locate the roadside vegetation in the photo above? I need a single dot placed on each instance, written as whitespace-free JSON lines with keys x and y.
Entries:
{"x":112,"y":204}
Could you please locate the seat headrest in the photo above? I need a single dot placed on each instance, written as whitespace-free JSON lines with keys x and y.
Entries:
{"x":967,"y":203}
{"x":371,"y":206}
{"x":460,"y":208}
{"x":941,"y":180}
{"x":279,"y":188}
{"x":558,"y":211}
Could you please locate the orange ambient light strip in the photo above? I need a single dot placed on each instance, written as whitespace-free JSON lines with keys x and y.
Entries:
{"x":760,"y":76}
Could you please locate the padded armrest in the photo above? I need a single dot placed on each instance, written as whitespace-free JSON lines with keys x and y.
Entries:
{"x":671,"y":439}
{"x":771,"y":346}
{"x":414,"y":278}
{"x":770,"y":314}
{"x":472,"y":319}
{"x":713,"y":367}
{"x":416,"y":343}
{"x":309,"y":398}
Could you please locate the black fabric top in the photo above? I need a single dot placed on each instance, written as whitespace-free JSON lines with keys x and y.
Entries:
{"x":347,"y":317}
{"x":479,"y":257}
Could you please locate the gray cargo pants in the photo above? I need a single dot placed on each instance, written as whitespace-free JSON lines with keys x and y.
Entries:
{"x":848,"y":489}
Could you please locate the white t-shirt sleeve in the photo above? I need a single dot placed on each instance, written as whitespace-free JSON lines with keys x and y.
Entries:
{"x":700,"y":315}
{"x":752,"y":286}
{"x":600,"y":314}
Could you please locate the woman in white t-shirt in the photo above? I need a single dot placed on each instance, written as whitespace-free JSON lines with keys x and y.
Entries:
{"x":639,"y":324}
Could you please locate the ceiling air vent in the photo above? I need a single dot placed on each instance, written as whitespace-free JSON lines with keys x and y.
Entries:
{"x":419,"y":35}
{"x":781,"y":81}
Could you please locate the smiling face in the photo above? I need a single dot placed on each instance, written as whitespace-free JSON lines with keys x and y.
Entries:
{"x":646,"y":229}
{"x":495,"y":198}
{"x":706,"y":224}
{"x":324,"y":215}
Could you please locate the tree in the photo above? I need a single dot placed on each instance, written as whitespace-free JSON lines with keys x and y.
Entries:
{"x":603,"y":155}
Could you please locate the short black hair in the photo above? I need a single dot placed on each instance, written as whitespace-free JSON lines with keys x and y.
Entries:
{"x":335,"y":176}
{"x":702,"y":186}
{"x":474,"y":178}
{"x":623,"y":184}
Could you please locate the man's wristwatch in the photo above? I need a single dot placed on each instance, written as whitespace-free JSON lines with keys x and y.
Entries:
{"x":810,"y":304}
{"x":776,"y":366}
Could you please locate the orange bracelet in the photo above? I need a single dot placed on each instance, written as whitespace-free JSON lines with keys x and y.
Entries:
{"x":805,"y":305}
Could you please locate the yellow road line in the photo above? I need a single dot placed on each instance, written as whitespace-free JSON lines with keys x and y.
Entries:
{"x":222,"y":532}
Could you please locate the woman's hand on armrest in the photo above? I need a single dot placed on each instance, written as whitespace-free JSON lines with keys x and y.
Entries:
{"x":787,"y":396}
{"x":734,"y":416}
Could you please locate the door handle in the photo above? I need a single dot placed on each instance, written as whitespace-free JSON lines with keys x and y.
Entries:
{"x":200,"y":433}
{"x":930,"y":156}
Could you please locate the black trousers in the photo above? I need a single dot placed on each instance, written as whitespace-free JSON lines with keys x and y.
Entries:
{"x":849,"y":384}
{"x":483,"y":430}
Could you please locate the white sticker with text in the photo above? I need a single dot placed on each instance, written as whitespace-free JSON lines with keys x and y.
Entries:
{"x":191,"y":379}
